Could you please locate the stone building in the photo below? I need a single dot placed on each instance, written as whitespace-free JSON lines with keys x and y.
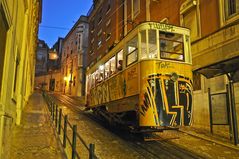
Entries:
{"x":41,"y":58}
{"x":19,"y":22}
{"x":74,"y":58}
{"x":214,"y":36}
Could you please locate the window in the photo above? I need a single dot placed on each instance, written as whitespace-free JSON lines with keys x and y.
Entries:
{"x":135,"y":8}
{"x":112,"y":65}
{"x":79,"y":42}
{"x":99,"y":38}
{"x":143,"y":45}
{"x":93,"y":80}
{"x":107,"y":69}
{"x":100,"y":74}
{"x":108,"y":35}
{"x":132,"y":51}
{"x":108,"y":7}
{"x":190,"y":17}
{"x":99,"y":42}
{"x":3,"y":36}
{"x":171,"y":46}
{"x":100,"y":16}
{"x":153,"y":53}
{"x":92,"y":27}
{"x":16,"y":73}
{"x":231,"y":8}
{"x":108,"y":23}
{"x":120,"y":60}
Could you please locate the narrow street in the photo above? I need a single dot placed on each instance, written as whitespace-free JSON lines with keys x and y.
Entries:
{"x":111,"y":142}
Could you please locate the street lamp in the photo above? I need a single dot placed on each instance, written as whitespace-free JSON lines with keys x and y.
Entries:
{"x":53,"y":57}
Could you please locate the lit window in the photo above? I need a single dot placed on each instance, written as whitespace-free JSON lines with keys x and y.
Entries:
{"x":99,"y":42}
{"x":132,"y":51}
{"x":107,"y":69}
{"x":112,"y":65}
{"x":120,"y":60}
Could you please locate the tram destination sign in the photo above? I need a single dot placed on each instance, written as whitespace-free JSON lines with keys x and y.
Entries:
{"x":161,"y":26}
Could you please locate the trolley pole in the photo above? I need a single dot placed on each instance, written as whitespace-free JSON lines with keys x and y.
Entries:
{"x":233,"y":109}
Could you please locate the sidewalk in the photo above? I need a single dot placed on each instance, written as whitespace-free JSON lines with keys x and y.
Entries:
{"x":214,"y":138}
{"x":35,"y":137}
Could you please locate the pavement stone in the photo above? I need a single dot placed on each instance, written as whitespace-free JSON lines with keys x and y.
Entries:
{"x":35,"y":137}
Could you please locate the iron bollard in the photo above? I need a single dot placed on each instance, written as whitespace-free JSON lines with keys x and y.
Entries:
{"x":53,"y":112}
{"x":65,"y":131}
{"x":51,"y":109}
{"x":56,"y":116}
{"x":92,"y":151}
{"x":59,"y":124}
{"x":74,"y":142}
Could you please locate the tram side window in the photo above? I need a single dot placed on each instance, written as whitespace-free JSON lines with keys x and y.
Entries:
{"x":153,"y":44}
{"x":171,"y":46}
{"x":107,"y":69}
{"x":112,"y":65}
{"x":100,"y":74}
{"x":132,"y":51}
{"x":92,"y":81}
{"x":120,"y":60}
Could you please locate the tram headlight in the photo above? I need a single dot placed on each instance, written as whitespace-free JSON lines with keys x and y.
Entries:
{"x":174,"y":77}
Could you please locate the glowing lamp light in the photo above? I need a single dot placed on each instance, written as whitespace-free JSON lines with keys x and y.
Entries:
{"x":53,"y":55}
{"x":65,"y":78}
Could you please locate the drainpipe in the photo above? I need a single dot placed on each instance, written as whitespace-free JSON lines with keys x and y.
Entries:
{"x":125,"y":18}
{"x":233,"y":108}
{"x":147,"y":10}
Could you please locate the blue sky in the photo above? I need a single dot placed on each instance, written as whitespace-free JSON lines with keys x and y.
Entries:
{"x":58,"y":16}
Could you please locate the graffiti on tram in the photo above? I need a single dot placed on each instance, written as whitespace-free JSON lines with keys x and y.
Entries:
{"x":170,"y":102}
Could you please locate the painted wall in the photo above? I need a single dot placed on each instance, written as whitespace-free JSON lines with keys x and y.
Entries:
{"x":18,"y":68}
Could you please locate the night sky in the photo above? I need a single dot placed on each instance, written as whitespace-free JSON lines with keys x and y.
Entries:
{"x":58,"y":16}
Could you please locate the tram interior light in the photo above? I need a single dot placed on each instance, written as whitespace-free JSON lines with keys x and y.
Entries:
{"x":101,"y":67}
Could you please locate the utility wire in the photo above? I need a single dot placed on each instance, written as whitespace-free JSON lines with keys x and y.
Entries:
{"x":54,"y":27}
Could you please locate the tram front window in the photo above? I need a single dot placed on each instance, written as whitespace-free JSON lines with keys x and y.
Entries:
{"x":171,"y":46}
{"x":152,"y":44}
{"x":144,"y":54}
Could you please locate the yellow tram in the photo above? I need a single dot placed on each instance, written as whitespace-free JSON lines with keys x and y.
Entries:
{"x":145,"y":81}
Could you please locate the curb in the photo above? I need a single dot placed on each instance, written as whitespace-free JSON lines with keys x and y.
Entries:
{"x":212,"y":140}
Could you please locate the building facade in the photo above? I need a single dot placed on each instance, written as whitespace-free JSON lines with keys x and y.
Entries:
{"x":214,"y":37}
{"x":74,"y":53}
{"x":57,"y":48}
{"x":19,"y":22}
{"x":41,"y":58}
